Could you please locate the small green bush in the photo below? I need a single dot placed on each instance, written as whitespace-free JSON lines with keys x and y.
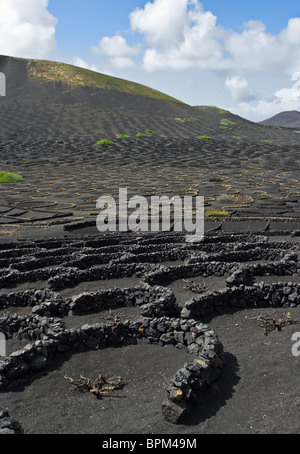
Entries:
{"x":10,"y":177}
{"x":149,"y":131}
{"x":226,"y":122}
{"x":235,"y":137}
{"x":122,"y":136}
{"x":204,"y":137}
{"x":105,"y":142}
{"x":183,"y":120}
{"x":223,"y":127}
{"x":218,"y":109}
{"x":141,"y":134}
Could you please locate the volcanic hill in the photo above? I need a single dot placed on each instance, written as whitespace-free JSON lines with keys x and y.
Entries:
{"x":288,"y":119}
{"x":50,"y":99}
{"x":76,"y":304}
{"x":55,"y":116}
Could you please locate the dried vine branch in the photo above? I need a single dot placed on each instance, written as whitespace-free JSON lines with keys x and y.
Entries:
{"x":269,"y":323}
{"x":193,"y":287}
{"x":99,"y":387}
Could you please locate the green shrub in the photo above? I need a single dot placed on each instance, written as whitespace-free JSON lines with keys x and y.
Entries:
{"x":183,"y":120}
{"x":141,"y":134}
{"x":223,"y":127}
{"x":235,"y":137}
{"x":10,"y":177}
{"x":218,"y":109}
{"x":226,"y":122}
{"x":204,"y":137}
{"x":105,"y":142}
{"x":149,"y":131}
{"x":122,"y":136}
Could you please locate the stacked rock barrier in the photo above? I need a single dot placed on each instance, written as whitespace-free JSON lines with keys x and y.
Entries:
{"x":67,"y":262}
{"x":8,"y":425}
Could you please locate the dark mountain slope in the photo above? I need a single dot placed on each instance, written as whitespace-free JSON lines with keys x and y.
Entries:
{"x":288,"y":119}
{"x":54,"y":101}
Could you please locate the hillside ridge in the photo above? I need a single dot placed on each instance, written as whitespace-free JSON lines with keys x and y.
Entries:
{"x":286,"y":119}
{"x":74,"y":76}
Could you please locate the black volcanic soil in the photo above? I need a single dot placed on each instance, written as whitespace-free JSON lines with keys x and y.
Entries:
{"x":49,"y":135}
{"x":63,"y":179}
{"x":258,"y":392}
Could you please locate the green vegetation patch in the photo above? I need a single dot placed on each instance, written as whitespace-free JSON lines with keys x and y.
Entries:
{"x":10,"y":177}
{"x":185,"y":120}
{"x":149,"y":131}
{"x":223,"y":127}
{"x":141,"y":134}
{"x":47,"y":71}
{"x":218,"y":109}
{"x":122,"y":136}
{"x":204,"y":137}
{"x":226,"y":122}
{"x":104,"y":142}
{"x":236,"y":137}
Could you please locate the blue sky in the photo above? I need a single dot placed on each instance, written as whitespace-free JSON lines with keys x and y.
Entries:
{"x":96,"y":18}
{"x":240,"y":55}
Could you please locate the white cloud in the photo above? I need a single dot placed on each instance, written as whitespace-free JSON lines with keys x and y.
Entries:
{"x":237,"y":87}
{"x":284,"y":99}
{"x":119,"y":51}
{"x":161,"y":22}
{"x":122,"y":62}
{"x":254,"y":50}
{"x":27,"y":29}
{"x":291,"y":34}
{"x":115,"y":46}
{"x":179,"y":38}
{"x":187,"y":36}
{"x":290,"y":94}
